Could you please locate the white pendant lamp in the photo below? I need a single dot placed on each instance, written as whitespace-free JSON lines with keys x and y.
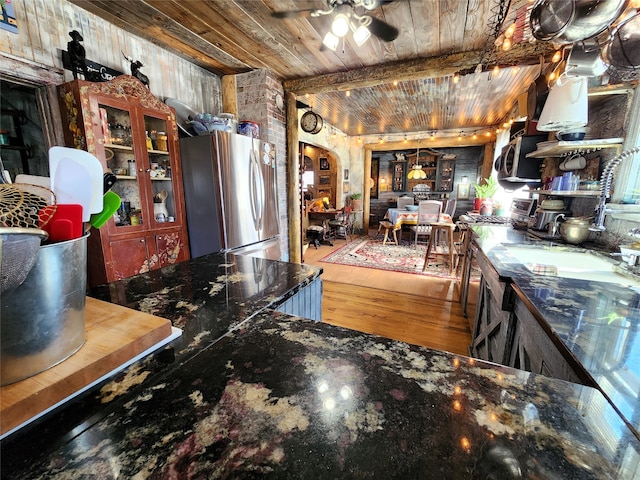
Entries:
{"x":566,"y":106}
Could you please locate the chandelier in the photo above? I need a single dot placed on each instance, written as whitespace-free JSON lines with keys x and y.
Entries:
{"x":416,"y":172}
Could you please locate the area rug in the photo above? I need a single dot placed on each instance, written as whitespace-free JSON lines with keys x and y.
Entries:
{"x":369,"y":252}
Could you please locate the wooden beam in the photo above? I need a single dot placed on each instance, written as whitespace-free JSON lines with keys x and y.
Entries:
{"x":415,"y":69}
{"x":149,"y":23}
{"x":229,"y":94}
{"x":437,"y":142}
{"x":293,"y":181}
{"x":366,"y":202}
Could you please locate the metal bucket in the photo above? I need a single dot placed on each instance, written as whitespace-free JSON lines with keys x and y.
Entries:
{"x":42,"y":321}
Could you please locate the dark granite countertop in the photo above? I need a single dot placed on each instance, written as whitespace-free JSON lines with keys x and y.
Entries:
{"x":598,"y":322}
{"x":248,"y":392}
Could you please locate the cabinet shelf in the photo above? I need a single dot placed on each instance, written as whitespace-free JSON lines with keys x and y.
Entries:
{"x":569,"y":193}
{"x":114,"y":146}
{"x":158,"y":152}
{"x":561,"y":148}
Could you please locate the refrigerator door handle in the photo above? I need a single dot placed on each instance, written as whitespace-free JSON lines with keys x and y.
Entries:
{"x":256,"y":185}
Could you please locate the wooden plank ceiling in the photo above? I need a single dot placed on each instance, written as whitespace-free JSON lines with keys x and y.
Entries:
{"x":406,"y":85}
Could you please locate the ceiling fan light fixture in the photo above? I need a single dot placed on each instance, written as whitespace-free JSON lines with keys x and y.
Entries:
{"x":340,"y":25}
{"x":331,"y":41}
{"x":361,"y":35}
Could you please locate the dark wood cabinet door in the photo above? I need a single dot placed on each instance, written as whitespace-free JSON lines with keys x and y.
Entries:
{"x":171,"y":248}
{"x":492,"y":335}
{"x":132,"y":256}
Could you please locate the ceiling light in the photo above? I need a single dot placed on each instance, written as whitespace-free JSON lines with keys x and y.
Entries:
{"x":510,"y":31}
{"x":416,"y":173}
{"x":330,"y":41}
{"x":361,"y":35}
{"x":348,"y":93}
{"x":340,"y":25}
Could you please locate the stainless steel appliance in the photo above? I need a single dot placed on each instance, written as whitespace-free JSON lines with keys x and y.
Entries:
{"x":542,"y":218}
{"x":512,"y":165}
{"x":231,"y":197}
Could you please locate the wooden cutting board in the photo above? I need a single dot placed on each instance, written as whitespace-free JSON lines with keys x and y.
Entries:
{"x":114,"y":335}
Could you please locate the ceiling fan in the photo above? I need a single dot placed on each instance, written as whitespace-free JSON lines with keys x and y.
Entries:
{"x":346,"y":18}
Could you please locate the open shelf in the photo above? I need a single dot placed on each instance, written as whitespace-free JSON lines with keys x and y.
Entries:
{"x":569,"y":193}
{"x":560,"y":148}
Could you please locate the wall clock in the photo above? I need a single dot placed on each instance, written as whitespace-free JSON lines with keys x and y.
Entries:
{"x":311,"y":122}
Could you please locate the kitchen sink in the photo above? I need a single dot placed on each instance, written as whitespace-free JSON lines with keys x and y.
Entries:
{"x":570,"y":264}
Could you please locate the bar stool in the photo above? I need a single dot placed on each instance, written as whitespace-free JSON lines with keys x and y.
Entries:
{"x":447,"y":234}
{"x":387,"y":225}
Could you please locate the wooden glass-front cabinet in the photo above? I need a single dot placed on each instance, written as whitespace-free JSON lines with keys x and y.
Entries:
{"x":398,"y":181}
{"x":445,"y":175}
{"x":134,"y":135}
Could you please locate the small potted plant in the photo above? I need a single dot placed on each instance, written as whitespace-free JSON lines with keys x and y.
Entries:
{"x":356,"y":201}
{"x":499,"y":208}
{"x":484,"y":195}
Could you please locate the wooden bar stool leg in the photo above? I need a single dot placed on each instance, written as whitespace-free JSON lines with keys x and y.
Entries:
{"x":386,"y":236}
{"x":395,"y":238}
{"x":450,"y":246}
{"x":429,"y":246}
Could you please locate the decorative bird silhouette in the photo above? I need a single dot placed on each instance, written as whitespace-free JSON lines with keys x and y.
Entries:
{"x":135,"y":69}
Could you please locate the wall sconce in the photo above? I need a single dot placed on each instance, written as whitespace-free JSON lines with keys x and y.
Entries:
{"x":464,"y":179}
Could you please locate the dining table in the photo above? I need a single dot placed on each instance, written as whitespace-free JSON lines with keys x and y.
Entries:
{"x":442,"y":231}
{"x":401,"y":216}
{"x":325,"y":216}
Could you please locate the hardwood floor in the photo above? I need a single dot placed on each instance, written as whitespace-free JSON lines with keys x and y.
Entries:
{"x":413,"y":308}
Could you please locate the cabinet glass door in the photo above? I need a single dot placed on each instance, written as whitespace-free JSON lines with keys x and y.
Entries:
{"x":446,"y":176}
{"x":120,"y":156}
{"x":399,"y":176}
{"x":160,"y":169}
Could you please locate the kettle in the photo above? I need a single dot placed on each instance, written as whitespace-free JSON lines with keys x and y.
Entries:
{"x":574,"y":230}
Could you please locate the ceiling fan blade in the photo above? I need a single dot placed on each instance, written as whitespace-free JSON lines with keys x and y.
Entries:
{"x":383,"y":30}
{"x":292,"y":14}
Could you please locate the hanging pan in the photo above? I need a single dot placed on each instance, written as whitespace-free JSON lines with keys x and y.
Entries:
{"x":591,"y":18}
{"x":623,"y":50}
{"x":549,"y":18}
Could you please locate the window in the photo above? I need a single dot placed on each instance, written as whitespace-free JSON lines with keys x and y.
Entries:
{"x":308,"y":178}
{"x":628,"y":173}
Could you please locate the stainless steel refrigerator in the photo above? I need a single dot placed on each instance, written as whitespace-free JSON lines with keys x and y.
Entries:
{"x":231,"y":195}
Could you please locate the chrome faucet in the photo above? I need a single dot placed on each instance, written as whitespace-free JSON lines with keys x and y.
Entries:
{"x":605,"y":189}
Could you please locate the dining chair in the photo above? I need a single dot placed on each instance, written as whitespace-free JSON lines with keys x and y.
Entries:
{"x":450,"y":207}
{"x":342,"y":224}
{"x":404,"y":201}
{"x":428,"y":213}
